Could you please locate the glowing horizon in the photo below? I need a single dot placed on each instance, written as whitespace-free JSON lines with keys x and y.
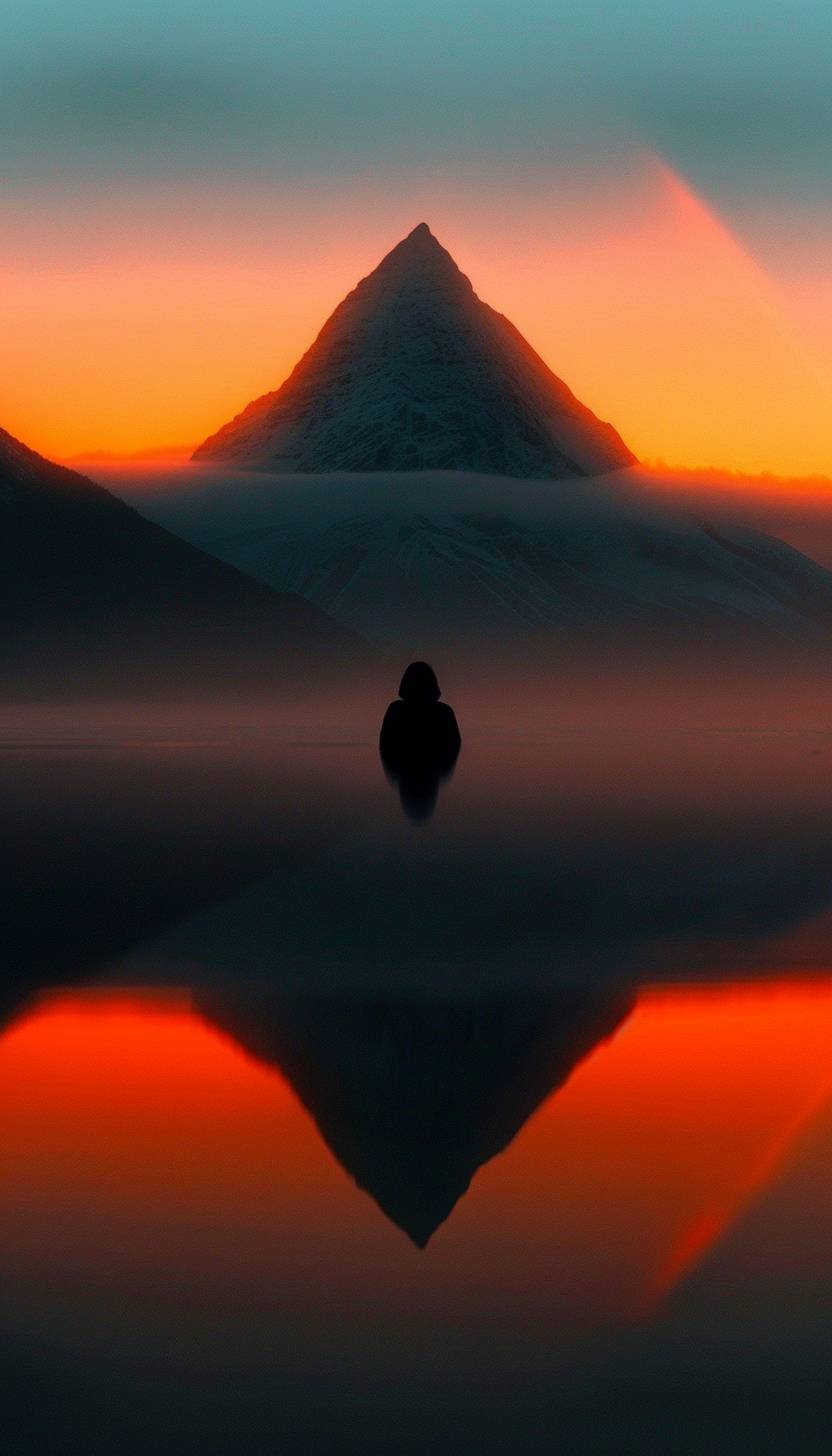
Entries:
{"x":154,"y":322}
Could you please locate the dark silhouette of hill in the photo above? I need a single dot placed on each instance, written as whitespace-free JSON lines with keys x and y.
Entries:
{"x":412,"y":1096}
{"x":96,"y":599}
{"x":414,"y":372}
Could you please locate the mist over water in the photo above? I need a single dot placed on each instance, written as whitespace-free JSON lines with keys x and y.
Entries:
{"x":624,"y":577}
{"x":514,"y":1111}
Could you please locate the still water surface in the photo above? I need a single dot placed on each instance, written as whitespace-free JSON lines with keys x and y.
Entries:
{"x":329,"y":1130}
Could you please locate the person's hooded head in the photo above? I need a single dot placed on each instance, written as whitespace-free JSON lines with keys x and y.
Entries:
{"x":419,"y":684}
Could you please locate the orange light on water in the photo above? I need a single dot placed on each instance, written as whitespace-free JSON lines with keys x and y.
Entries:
{"x":118,"y":1088}
{"x":141,"y":1144}
{"x":666,"y":1134}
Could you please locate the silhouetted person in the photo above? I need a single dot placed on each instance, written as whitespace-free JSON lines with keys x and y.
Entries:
{"x":419,"y":740}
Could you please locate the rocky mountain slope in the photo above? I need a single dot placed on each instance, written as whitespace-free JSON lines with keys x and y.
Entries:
{"x":414,"y":372}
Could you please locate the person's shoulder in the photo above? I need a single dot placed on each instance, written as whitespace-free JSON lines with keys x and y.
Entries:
{"x":392,"y":717}
{"x":448,"y":725}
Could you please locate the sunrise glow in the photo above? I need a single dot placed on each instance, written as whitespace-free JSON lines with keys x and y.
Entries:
{"x":167,"y":317}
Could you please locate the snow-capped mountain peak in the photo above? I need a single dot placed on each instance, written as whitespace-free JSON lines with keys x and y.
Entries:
{"x":414,"y":372}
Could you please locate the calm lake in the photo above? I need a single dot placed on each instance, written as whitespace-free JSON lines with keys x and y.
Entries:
{"x":339,"y":1116}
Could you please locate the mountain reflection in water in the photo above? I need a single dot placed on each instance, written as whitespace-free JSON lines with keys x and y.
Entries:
{"x":566,"y":1101}
{"x":162,"y":1189}
{"x":412,"y":1097}
{"x":307,"y":1112}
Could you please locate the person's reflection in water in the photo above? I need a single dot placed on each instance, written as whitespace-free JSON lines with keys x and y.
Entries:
{"x":419,"y":741}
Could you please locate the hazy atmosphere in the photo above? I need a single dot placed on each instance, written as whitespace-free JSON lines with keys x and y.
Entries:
{"x":416,"y":728}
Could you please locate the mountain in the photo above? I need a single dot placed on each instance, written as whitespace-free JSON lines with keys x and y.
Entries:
{"x":453,"y":561}
{"x":414,"y":372}
{"x":413,"y":1097}
{"x":96,"y":598}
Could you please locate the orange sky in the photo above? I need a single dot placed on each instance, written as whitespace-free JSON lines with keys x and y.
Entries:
{"x":142,"y":1147}
{"x":158,"y":319}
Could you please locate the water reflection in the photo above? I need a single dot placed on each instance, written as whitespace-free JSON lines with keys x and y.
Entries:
{"x":637,"y":1186}
{"x":419,"y":778}
{"x":292,"y":868}
{"x":412,"y":1097}
{"x":304,"y":1030}
{"x":603,"y":1151}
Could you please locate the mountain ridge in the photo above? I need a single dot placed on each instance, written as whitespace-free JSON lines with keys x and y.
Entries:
{"x":97,"y":597}
{"x":413,"y":371}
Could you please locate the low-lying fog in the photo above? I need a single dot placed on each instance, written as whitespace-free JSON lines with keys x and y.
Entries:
{"x":174,"y":491}
{"x":465,"y":564}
